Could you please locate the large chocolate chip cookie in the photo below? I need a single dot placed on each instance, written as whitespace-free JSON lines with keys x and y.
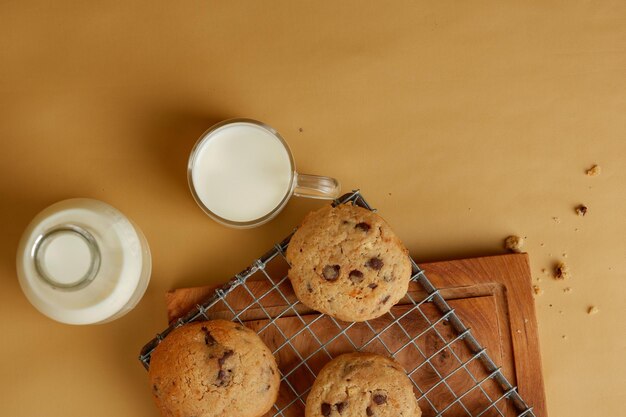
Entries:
{"x":362,"y":384}
{"x":347,"y":262}
{"x":213,"y":368}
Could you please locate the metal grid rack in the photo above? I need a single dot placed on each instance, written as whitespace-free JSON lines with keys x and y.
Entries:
{"x":451,"y":371}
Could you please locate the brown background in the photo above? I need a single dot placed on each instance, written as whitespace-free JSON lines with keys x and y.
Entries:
{"x":462,"y":122}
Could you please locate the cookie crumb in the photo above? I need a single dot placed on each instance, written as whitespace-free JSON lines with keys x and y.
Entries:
{"x":300,"y":130}
{"x":518,"y":331}
{"x":556,"y":219}
{"x":525,"y":320}
{"x":537,"y":290}
{"x":567,"y":290}
{"x":514,"y":243}
{"x":565,"y":254}
{"x":564,"y":337}
{"x":592,"y":310}
{"x":561,"y":271}
{"x":542,"y":244}
{"x":543,"y":269}
{"x":581,"y":210}
{"x":594,"y":171}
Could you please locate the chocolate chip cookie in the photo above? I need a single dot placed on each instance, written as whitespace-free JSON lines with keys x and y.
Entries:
{"x":213,"y":368}
{"x":346,"y":262}
{"x":362,"y":384}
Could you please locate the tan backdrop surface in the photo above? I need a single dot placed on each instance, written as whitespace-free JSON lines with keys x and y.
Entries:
{"x":462,"y":122}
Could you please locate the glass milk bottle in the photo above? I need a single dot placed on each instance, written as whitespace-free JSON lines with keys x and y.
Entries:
{"x":81,"y":261}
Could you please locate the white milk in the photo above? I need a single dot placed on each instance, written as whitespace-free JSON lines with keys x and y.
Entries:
{"x":67,"y":258}
{"x":241,"y":172}
{"x":81,"y":261}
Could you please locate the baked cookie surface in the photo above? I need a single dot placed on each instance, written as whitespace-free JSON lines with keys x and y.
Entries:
{"x":346,"y":262}
{"x":213,"y":368}
{"x":362,"y":384}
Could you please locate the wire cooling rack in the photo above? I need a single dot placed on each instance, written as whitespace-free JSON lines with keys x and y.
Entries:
{"x":451,"y":371}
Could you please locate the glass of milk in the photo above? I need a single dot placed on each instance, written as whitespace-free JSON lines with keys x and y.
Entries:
{"x":81,"y":261}
{"x":242,"y":173}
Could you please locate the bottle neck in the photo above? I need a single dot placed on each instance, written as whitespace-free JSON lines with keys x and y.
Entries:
{"x":66,"y":257}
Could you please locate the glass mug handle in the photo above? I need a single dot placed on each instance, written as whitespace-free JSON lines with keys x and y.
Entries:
{"x":316,"y":186}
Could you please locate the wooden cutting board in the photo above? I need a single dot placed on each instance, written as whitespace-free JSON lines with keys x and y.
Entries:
{"x":492,"y":295}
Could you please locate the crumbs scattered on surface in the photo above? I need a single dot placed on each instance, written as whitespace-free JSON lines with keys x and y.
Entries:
{"x":556,"y":219}
{"x":594,"y":171}
{"x":561,"y":271}
{"x":567,"y":290}
{"x":592,"y":310}
{"x":581,"y":210}
{"x":514,"y":243}
{"x":537,"y":290}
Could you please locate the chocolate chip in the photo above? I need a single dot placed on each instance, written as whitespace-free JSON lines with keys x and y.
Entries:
{"x":220,"y":377}
{"x":373,"y":286}
{"x":223,"y":378}
{"x":340,"y":406}
{"x":225,"y":356}
{"x":369,"y":411}
{"x":379,"y":399}
{"x":355,"y":276}
{"x":363,"y":226}
{"x":331,"y":272}
{"x":375,"y":263}
{"x":385,"y":299}
{"x":325,"y":409}
{"x":208,"y":338}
